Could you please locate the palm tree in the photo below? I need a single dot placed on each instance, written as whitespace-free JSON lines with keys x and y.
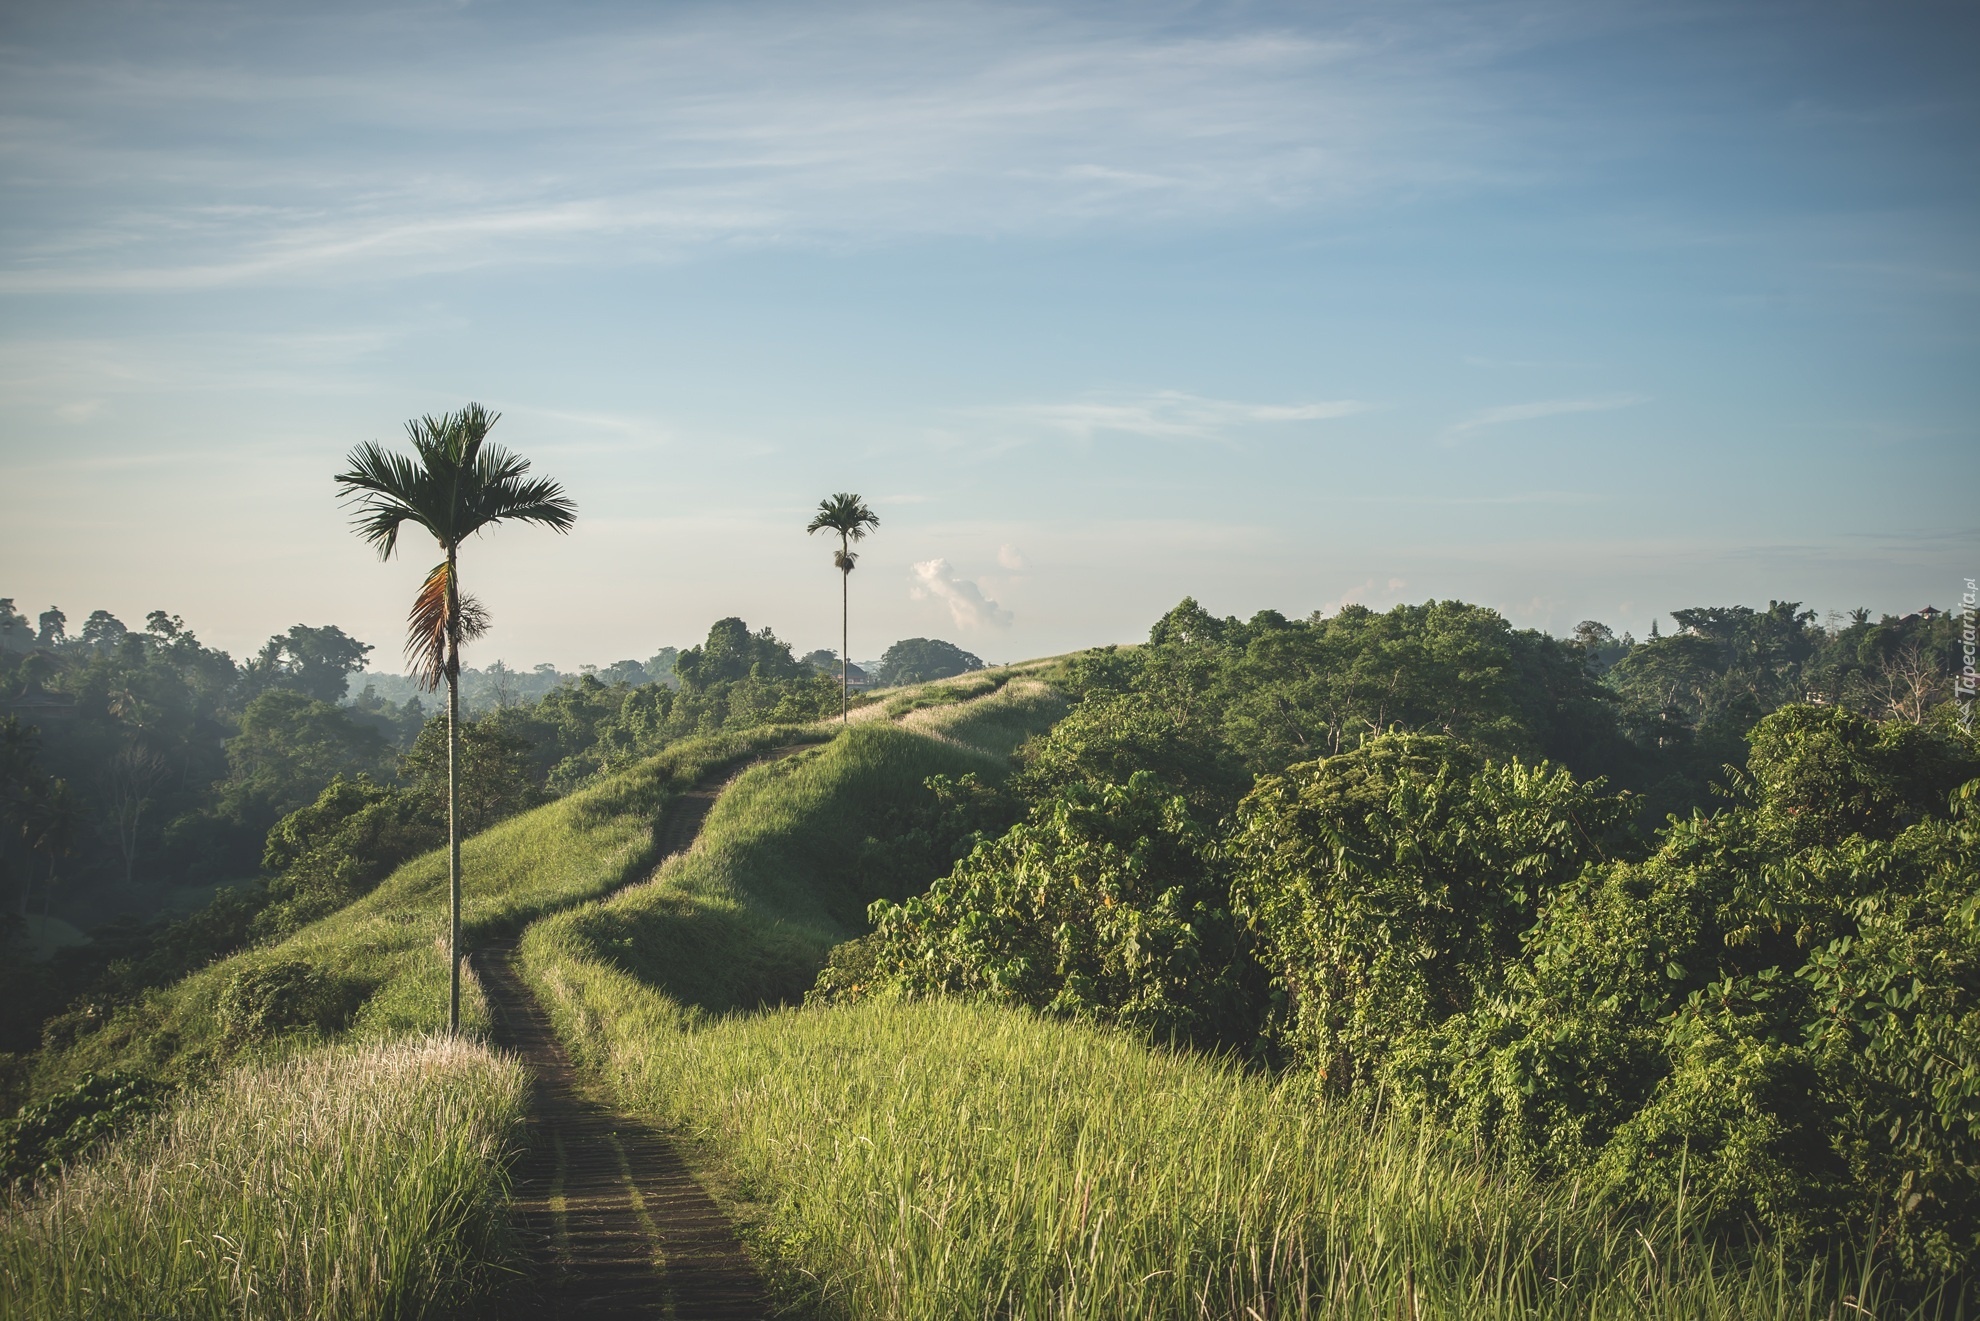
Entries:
{"x":454,"y":485}
{"x":847,"y":515}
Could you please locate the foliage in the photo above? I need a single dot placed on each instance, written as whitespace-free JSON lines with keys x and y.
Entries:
{"x":1389,"y":886}
{"x":1774,"y":1007}
{"x":72,"y":1124}
{"x":289,"y":746}
{"x":1105,"y":903}
{"x":732,"y":652}
{"x":316,"y":662}
{"x":922,"y":660}
{"x":261,"y":1000}
{"x":346,"y":1182}
{"x":493,"y":772}
{"x":933,"y":1158}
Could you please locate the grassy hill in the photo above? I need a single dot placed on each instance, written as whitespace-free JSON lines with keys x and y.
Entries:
{"x":376,"y":970}
{"x":329,"y":1158}
{"x":900,"y":1158}
{"x":912,"y":1159}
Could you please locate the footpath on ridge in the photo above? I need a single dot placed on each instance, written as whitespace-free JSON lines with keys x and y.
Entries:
{"x":613,"y":1224}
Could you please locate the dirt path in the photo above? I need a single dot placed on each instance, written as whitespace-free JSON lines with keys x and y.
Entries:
{"x":613,"y":1223}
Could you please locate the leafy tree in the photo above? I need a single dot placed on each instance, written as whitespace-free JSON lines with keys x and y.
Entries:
{"x":731,"y":653}
{"x":1389,"y":886}
{"x":918,"y":660}
{"x":103,"y":630}
{"x":846,"y":514}
{"x":492,"y":769}
{"x":53,"y":627}
{"x":288,"y":747}
{"x":316,"y":662}
{"x":16,"y":634}
{"x":455,"y":485}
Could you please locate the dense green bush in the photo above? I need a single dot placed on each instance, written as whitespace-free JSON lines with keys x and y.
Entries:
{"x":1389,"y":886}
{"x":1776,"y":1011}
{"x":74,"y":1122}
{"x":1104,"y":903}
{"x":266,"y":999}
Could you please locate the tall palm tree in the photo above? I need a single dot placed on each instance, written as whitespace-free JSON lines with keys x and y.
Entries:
{"x":847,"y":515}
{"x":453,"y":485}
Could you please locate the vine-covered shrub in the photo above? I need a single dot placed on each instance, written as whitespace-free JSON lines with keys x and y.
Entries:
{"x":71,"y":1124}
{"x":267,"y":999}
{"x":1105,"y":902}
{"x":1389,"y":887}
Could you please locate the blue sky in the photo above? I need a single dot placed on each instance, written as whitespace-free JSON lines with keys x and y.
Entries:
{"x":1577,"y":310}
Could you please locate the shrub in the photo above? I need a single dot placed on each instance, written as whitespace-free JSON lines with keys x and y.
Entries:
{"x":1389,"y":886}
{"x":69,"y":1125}
{"x":1104,"y":903}
{"x":264,"y":1000}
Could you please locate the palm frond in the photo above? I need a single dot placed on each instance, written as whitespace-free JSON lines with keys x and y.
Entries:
{"x":387,"y":490}
{"x":846,"y":514}
{"x":453,"y":484}
{"x":426,"y":628}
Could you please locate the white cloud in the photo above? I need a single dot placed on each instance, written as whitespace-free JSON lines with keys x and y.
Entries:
{"x":968,"y":606}
{"x":1010,"y":557}
{"x":1167,"y":415}
{"x":1492,"y":417}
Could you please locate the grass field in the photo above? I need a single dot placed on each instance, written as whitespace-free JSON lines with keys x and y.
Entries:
{"x":355,"y":1181}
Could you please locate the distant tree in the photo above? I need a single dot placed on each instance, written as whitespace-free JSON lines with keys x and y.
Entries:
{"x":455,"y":485}
{"x":54,"y":626}
{"x":846,"y":514}
{"x":103,"y":630}
{"x":316,"y":662}
{"x":16,"y":634}
{"x":127,"y":783}
{"x":289,"y":747}
{"x":822,"y":659}
{"x":627,"y":672}
{"x":732,"y":653}
{"x":660,"y":666}
{"x":918,"y":660}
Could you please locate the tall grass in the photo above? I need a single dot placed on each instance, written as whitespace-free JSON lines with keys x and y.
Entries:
{"x":348,"y":1182}
{"x":941,"y":1159}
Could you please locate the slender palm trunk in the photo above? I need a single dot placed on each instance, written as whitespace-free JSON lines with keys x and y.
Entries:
{"x":845,"y":642}
{"x":453,"y":799}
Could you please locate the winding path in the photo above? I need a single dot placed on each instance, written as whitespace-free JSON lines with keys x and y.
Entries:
{"x":612,"y":1222}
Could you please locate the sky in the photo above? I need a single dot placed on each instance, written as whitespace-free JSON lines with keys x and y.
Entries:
{"x":1578,"y":310}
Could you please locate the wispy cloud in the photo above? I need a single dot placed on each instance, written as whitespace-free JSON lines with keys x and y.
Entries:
{"x":968,"y":606}
{"x":151,"y":161}
{"x":1493,"y":417}
{"x":1165,"y":415}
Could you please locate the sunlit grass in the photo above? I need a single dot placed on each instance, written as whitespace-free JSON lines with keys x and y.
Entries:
{"x":357,"y":1181}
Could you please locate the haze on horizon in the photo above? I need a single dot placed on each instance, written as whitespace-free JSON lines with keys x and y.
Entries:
{"x":1575,"y":310}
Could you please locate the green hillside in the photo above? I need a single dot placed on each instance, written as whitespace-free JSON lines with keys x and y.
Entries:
{"x":373,"y":970}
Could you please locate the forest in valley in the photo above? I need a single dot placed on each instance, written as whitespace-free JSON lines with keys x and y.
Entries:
{"x":1684,"y":921}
